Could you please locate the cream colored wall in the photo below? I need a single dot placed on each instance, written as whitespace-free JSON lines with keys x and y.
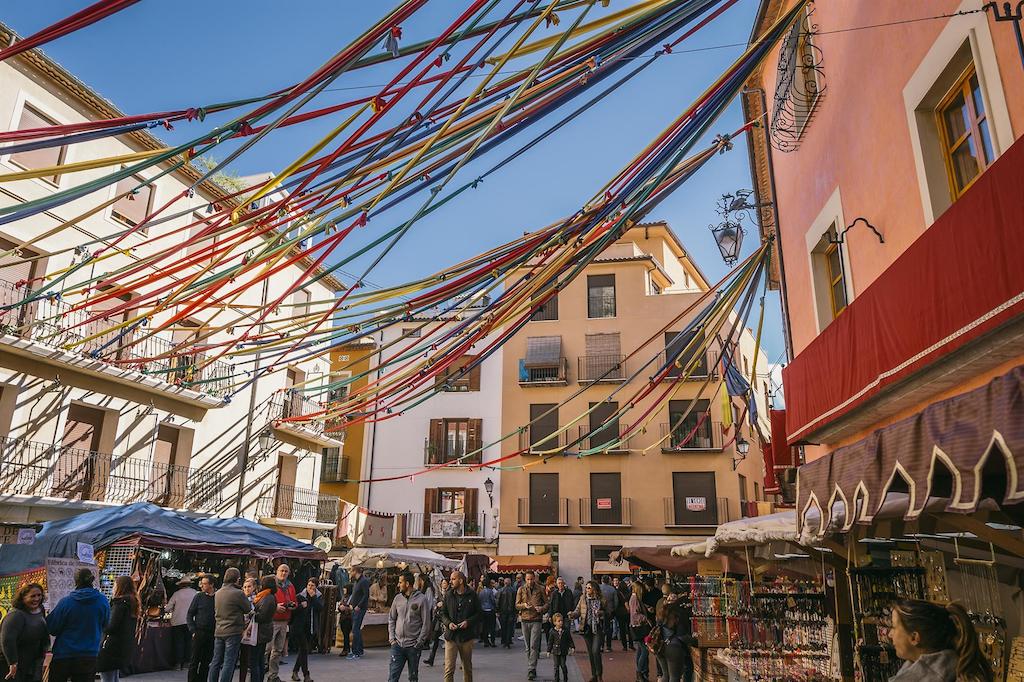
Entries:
{"x":645,"y":477}
{"x":219,"y":432}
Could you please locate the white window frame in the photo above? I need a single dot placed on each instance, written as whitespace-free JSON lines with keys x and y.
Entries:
{"x":831,"y":214}
{"x":69,"y":156}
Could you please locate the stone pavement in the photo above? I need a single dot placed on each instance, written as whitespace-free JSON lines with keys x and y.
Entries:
{"x":489,"y":665}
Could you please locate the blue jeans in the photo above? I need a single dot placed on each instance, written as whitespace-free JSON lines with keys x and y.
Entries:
{"x":225,"y":656}
{"x":400,"y":655}
{"x":643,"y":660}
{"x":357,"y":631}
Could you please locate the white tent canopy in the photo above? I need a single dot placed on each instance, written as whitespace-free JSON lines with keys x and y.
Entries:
{"x":388,"y":557}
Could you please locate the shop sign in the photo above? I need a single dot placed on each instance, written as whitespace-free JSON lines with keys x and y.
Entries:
{"x":16,"y":535}
{"x":604,"y":503}
{"x":696,"y":504}
{"x":85,"y":553}
{"x":447,"y":525}
{"x":60,"y":578}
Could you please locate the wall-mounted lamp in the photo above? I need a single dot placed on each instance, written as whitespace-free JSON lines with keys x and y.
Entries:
{"x":489,"y":487}
{"x":742,"y":448}
{"x":728,"y":234}
{"x":266,"y":439}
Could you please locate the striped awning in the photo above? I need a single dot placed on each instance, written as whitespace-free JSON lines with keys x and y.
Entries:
{"x":543,"y":351}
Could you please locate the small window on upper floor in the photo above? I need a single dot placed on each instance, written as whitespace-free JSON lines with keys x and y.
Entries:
{"x":600,"y":296}
{"x":964,"y":133}
{"x":133,"y":208}
{"x":829,"y":271}
{"x":547,"y":310}
{"x":39,"y":158}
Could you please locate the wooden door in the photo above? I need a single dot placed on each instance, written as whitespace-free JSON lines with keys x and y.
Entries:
{"x":695,"y":499}
{"x":544,"y":506}
{"x":606,"y":498}
{"x":604,"y":425}
{"x":285,"y":499}
{"x":169,"y":479}
{"x":80,"y":471}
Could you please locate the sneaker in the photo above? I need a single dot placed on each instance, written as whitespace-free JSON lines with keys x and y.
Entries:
{"x":351,"y":657}
{"x":295,"y":676}
{"x":532,"y":675}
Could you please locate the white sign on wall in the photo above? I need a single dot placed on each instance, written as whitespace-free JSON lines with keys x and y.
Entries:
{"x":696,"y":504}
{"x":447,"y":525}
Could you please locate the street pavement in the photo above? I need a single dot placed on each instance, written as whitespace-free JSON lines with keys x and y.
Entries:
{"x":489,"y":665}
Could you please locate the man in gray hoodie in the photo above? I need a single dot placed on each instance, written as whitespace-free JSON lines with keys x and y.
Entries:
{"x":408,"y":628}
{"x":230,"y":607}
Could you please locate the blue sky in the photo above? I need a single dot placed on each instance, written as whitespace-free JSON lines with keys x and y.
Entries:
{"x":162,"y":55}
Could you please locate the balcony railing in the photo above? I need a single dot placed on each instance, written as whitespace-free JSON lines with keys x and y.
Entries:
{"x":690,"y":435}
{"x":600,"y":438}
{"x":543,"y":511}
{"x":601,"y":368}
{"x":54,"y":323}
{"x":532,"y":445}
{"x":334,"y":468}
{"x":696,"y":511}
{"x":291,"y":404}
{"x":605,"y":511}
{"x":44,"y":470}
{"x":548,"y":375}
{"x":442,"y":527}
{"x":705,"y":367}
{"x":299,"y":504}
{"x":440,"y":453}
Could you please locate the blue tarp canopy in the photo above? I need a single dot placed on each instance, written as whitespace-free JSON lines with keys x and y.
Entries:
{"x":152,"y":526}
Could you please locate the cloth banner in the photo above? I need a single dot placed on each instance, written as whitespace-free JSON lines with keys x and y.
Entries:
{"x":365,"y":528}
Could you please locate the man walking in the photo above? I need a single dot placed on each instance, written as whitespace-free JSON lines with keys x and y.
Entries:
{"x":231,"y":606}
{"x":611,"y":598}
{"x":201,"y":623}
{"x":177,"y":606}
{"x":531,"y":603}
{"x":459,"y":617}
{"x":488,"y":608}
{"x":408,"y":628}
{"x":622,"y":613}
{"x":77,"y":624}
{"x":561,"y":601}
{"x":286,"y":603}
{"x":359,"y":601}
{"x":507,"y":612}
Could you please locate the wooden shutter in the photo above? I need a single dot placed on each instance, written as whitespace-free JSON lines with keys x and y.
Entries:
{"x":435,"y":442}
{"x":470,"y":507}
{"x":429,"y":506}
{"x":475,"y":440}
{"x":38,"y":158}
{"x":82,"y":431}
{"x":474,"y":375}
{"x":606,"y":486}
{"x":80,"y":473}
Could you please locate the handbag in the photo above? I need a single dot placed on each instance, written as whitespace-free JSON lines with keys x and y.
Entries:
{"x":655,"y":641}
{"x":251,"y":633}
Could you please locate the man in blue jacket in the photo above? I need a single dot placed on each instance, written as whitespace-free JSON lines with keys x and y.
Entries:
{"x":359,"y":601}
{"x":77,"y":623}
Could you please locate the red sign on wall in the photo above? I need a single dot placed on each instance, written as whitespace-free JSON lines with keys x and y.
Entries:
{"x":604,"y":503}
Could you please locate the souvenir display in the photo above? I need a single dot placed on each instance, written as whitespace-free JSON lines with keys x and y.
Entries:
{"x":875,"y":588}
{"x":934,"y":563}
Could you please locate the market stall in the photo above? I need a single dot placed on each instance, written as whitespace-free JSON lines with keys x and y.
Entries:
{"x":510,"y":564}
{"x":157,"y":548}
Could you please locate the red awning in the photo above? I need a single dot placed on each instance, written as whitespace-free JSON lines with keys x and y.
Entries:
{"x":962,"y":449}
{"x":960,"y":280}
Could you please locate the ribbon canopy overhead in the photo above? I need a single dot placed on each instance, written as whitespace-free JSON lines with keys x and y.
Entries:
{"x":963,"y":449}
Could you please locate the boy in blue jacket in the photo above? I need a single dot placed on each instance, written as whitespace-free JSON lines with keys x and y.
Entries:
{"x":77,"y":623}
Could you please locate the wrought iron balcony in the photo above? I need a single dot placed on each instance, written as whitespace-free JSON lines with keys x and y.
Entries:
{"x":442,"y":452}
{"x":286,"y":412}
{"x":439,"y":526}
{"x":696,"y":511}
{"x":334,"y":468}
{"x":556,"y":374}
{"x":692,"y":435}
{"x":601,"y":369}
{"x":45,"y":470}
{"x":600,"y":438}
{"x":534,"y":441}
{"x":299,"y":504}
{"x":705,"y":367}
{"x":52,"y":322}
{"x":543,"y":512}
{"x":605,"y":511}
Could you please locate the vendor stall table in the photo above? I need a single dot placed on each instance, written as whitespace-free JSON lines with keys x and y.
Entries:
{"x":156,"y":652}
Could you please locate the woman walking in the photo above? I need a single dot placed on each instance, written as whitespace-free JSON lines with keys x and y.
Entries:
{"x":640,"y":627}
{"x":675,"y":659}
{"x":438,"y":631}
{"x":938,"y":644}
{"x":592,"y":611}
{"x":23,"y":636}
{"x":306,"y":626}
{"x":245,"y":650}
{"x":116,"y":649}
{"x":265,"y":605}
{"x":345,"y":620}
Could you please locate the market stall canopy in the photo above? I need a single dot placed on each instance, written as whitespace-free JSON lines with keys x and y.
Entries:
{"x":152,"y":526}
{"x":962,"y":448}
{"x":655,"y":558}
{"x":611,"y":568}
{"x":522,"y":562}
{"x":389,"y":557}
{"x":755,"y":530}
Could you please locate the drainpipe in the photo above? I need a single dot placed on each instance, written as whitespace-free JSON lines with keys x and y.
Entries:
{"x":373,"y":437}
{"x":787,"y":335}
{"x":243,"y":458}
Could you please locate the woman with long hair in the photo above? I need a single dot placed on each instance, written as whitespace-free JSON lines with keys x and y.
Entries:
{"x":938,"y":643}
{"x":23,"y":636}
{"x":265,"y":606}
{"x":640,"y":627}
{"x":674,"y":658}
{"x":306,"y":625}
{"x":436,"y":621}
{"x":116,"y":649}
{"x":591,"y":612}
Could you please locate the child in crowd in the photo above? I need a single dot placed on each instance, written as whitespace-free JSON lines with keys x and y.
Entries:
{"x":560,"y":646}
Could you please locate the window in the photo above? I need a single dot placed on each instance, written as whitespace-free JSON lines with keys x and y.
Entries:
{"x":605,"y":499}
{"x":693,"y":430}
{"x":456,"y":378}
{"x":133,"y":208}
{"x":603,"y":361}
{"x":300,"y":303}
{"x":542,"y":425}
{"x":547,"y":310}
{"x":694,"y":499}
{"x":451,"y":501}
{"x":334,"y":467}
{"x":757,"y":493}
{"x":543,"y":362}
{"x":743,"y":495}
{"x":604,"y":426}
{"x":829,"y":272}
{"x":836,"y":280}
{"x":38,"y":158}
{"x":411,"y":332}
{"x":452,"y":439}
{"x":204,"y":244}
{"x":964,"y":133}
{"x":543,"y":505}
{"x":685,"y":346}
{"x":600,"y":296}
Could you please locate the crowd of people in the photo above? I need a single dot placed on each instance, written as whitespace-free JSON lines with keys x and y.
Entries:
{"x":248,"y":622}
